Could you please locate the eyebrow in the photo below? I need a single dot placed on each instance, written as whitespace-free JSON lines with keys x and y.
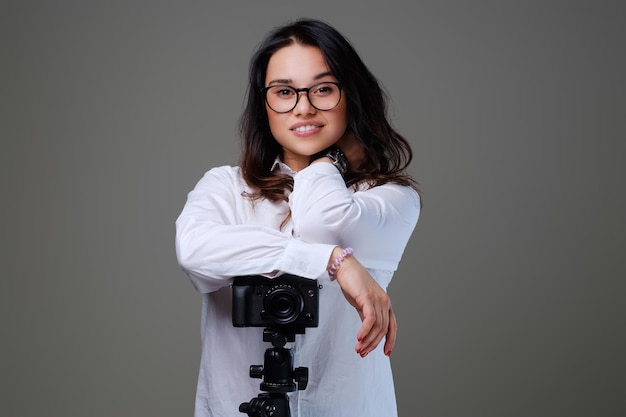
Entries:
{"x":289,"y":80}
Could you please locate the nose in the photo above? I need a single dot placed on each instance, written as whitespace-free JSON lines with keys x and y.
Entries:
{"x":303,"y":106}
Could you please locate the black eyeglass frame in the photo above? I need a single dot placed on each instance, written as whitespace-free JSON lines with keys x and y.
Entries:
{"x":298,"y":91}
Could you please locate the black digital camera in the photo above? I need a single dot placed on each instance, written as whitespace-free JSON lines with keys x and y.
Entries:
{"x":287,"y":301}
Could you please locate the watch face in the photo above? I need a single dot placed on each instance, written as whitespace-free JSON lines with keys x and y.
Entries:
{"x":339,"y":160}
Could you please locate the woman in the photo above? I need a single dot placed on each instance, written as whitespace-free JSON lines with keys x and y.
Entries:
{"x":321,"y":193}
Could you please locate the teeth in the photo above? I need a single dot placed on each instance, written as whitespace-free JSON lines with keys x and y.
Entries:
{"x":305,"y":128}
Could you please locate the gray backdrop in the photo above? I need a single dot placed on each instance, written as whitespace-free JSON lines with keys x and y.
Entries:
{"x":509,"y":297}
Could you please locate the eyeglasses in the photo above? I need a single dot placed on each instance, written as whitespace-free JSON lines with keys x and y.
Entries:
{"x":284,"y":98}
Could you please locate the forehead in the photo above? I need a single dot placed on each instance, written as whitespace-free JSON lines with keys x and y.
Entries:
{"x":296,"y":64}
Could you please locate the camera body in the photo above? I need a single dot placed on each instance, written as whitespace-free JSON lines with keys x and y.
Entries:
{"x":287,"y":301}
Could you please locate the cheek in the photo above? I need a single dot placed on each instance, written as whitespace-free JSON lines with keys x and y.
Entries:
{"x":342,"y":111}
{"x":275,"y":122}
{"x":340,"y":119}
{"x":271,"y":117}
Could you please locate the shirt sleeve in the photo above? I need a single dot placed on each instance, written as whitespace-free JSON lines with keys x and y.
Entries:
{"x":377,"y":222}
{"x":214,"y":243}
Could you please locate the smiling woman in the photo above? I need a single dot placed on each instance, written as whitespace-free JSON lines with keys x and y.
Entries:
{"x":321,"y":194}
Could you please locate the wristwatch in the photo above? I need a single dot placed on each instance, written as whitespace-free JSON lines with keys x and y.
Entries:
{"x":336,"y":156}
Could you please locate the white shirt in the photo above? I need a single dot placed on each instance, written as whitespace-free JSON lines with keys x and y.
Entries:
{"x":221,"y":234}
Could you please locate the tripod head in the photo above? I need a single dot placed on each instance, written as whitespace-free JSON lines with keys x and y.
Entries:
{"x":278,"y":373}
{"x":279,"y":376}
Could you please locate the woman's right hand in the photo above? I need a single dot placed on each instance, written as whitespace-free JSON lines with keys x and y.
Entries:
{"x":371,"y":302}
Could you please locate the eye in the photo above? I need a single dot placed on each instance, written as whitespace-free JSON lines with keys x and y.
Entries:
{"x":324,"y":89}
{"x":282,"y":91}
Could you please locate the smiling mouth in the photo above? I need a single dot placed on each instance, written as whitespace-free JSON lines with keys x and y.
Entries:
{"x":305,"y":128}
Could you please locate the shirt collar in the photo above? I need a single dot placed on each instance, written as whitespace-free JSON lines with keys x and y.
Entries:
{"x":282,"y":167}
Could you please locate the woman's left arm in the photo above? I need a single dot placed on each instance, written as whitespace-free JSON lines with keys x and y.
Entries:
{"x":377,"y":223}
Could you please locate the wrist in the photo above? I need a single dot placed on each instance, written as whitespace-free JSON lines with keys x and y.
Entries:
{"x":335,"y":156}
{"x":337,"y":259}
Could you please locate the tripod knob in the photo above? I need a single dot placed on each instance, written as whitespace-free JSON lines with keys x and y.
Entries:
{"x":256,"y":371}
{"x":301,"y":376}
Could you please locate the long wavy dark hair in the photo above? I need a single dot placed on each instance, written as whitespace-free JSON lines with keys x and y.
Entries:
{"x":388,"y":153}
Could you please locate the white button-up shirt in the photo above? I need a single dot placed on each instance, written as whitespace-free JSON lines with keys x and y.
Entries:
{"x":221,"y":234}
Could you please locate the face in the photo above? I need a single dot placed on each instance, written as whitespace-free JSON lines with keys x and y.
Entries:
{"x":304,"y":130}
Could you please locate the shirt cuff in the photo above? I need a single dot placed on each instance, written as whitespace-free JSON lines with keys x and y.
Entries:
{"x":307,"y":260}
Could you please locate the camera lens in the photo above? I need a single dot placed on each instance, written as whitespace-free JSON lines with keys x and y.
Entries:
{"x":283,"y":304}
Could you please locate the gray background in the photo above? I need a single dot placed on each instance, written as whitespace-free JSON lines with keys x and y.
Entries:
{"x":510,"y":294}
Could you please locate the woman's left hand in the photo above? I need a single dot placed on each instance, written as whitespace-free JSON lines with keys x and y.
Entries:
{"x":371,"y":302}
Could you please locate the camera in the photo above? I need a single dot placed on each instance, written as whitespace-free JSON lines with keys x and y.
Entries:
{"x":287,"y":301}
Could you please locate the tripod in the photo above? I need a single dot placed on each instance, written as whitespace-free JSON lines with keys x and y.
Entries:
{"x":279,"y":376}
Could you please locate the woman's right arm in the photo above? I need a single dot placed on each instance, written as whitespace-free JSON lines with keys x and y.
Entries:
{"x":214,"y":242}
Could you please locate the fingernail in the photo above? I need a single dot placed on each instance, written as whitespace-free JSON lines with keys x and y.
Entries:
{"x":363,"y":354}
{"x":388,"y":353}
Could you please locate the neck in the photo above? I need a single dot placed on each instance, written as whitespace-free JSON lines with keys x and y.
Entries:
{"x":296,"y":163}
